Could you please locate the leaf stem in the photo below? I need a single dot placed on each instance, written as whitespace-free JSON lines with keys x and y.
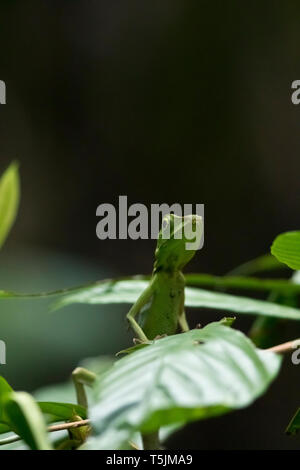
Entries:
{"x":151,"y":440}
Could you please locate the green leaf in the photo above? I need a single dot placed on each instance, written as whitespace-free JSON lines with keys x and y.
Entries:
{"x":4,"y":386}
{"x":63,"y":411}
{"x":244,"y":305}
{"x":181,"y":378}
{"x":5,"y":390}
{"x":281,"y":286}
{"x":286,"y":248}
{"x":26,"y":420}
{"x":9,"y":200}
{"x":108,"y":288}
{"x":261,"y":264}
{"x":129,"y":290}
{"x":294,"y":425}
{"x":132,"y":349}
{"x":105,"y":292}
{"x":63,"y":393}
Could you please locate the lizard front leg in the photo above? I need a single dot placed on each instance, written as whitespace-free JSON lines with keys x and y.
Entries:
{"x":182,"y":317}
{"x":135,"y":309}
{"x":183,"y":322}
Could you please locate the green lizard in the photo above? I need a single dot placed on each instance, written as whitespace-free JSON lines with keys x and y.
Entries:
{"x":160,"y":308}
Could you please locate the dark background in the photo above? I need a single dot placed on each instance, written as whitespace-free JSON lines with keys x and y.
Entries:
{"x":167,"y":101}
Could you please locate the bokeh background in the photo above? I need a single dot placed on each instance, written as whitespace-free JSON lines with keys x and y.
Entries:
{"x":163,"y":101}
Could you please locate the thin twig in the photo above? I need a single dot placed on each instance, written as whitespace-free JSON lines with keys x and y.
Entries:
{"x":54,"y":428}
{"x":283,"y":348}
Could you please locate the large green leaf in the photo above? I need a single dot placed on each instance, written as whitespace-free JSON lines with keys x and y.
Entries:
{"x":197,"y":298}
{"x":181,"y":378}
{"x":4,"y":428}
{"x":111,"y":286}
{"x":286,"y":248}
{"x":127,"y":291}
{"x":26,"y":420}
{"x":9,"y":200}
{"x":58,"y":411}
{"x":62,"y":411}
{"x":109,"y":289}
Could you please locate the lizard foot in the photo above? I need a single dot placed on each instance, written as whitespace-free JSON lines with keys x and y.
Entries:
{"x":160,"y":337}
{"x":140,"y":341}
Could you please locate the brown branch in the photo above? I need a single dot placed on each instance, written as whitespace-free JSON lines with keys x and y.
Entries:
{"x":285,"y":347}
{"x":55,"y":427}
{"x":63,"y":426}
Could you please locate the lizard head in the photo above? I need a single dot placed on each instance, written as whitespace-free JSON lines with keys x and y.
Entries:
{"x":178,"y":240}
